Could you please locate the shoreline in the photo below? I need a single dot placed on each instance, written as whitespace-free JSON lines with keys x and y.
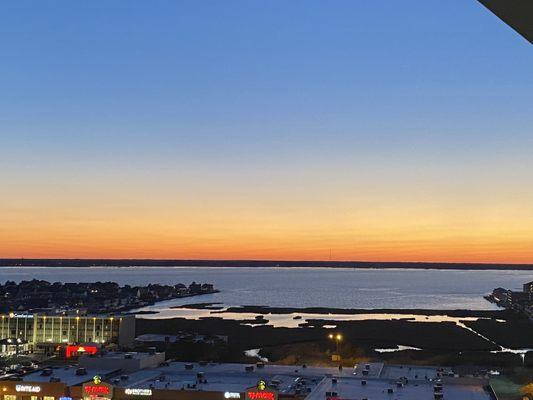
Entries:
{"x":428,"y":330}
{"x":219,"y":308}
{"x":131,"y":263}
{"x":495,"y":340}
{"x":129,"y":309}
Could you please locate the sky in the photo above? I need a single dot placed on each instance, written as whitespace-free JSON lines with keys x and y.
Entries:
{"x":294,"y":130}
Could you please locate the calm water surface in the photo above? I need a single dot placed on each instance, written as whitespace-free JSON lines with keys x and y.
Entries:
{"x":305,"y":287}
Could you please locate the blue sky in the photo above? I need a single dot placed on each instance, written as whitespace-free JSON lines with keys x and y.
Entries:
{"x":212,"y":77}
{"x":264,"y":96}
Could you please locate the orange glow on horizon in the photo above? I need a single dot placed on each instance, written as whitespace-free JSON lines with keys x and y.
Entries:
{"x":268,"y":248}
{"x":412,"y":228}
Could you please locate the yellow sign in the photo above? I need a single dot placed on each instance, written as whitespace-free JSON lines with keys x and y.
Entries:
{"x":97,"y":380}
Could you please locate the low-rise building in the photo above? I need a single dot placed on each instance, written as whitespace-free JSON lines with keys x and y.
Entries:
{"x":154,"y":338}
{"x":213,"y":381}
{"x":126,"y":362}
{"x":12,"y":346}
{"x":44,"y":332}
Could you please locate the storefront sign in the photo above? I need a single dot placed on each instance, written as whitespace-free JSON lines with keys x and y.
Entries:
{"x":27,"y":388}
{"x":97,"y":388}
{"x":15,"y":315}
{"x":138,"y":392}
{"x":232,"y":395}
{"x":72,"y":350}
{"x":260,"y":395}
{"x":261,"y":392}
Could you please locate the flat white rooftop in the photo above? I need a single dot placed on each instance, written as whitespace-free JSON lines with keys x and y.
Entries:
{"x":316,"y":383}
{"x":226,"y":377}
{"x":68,"y":375}
{"x":122,"y":356}
{"x":377,"y":389}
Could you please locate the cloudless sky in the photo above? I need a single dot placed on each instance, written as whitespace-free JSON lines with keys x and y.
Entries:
{"x":382,"y":130}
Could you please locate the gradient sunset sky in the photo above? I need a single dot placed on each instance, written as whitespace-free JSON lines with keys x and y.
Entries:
{"x":382,"y":130}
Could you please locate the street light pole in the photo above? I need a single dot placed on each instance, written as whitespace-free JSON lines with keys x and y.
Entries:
{"x":337,"y":337}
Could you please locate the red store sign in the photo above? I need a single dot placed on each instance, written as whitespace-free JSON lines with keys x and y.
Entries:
{"x":260,"y":395}
{"x":93,"y":390}
{"x":73,"y":351}
{"x":261,"y":392}
{"x":96,"y":390}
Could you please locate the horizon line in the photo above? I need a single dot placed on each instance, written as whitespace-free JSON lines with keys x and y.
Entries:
{"x":239,"y":260}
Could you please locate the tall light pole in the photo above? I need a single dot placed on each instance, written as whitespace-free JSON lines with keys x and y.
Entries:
{"x":337,"y":337}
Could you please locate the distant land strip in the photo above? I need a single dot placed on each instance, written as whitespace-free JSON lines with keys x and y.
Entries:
{"x":12,"y":262}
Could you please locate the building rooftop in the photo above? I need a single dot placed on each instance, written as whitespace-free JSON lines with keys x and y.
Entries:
{"x":352,"y":388}
{"x":122,"y":355}
{"x":380,"y":381}
{"x":224,"y":377}
{"x":414,"y":373}
{"x":314,"y":382}
{"x":68,"y":375}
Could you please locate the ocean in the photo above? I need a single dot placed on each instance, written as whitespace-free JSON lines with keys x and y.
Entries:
{"x":304,"y":287}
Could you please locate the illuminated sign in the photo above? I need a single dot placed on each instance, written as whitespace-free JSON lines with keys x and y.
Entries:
{"x":261,"y":392}
{"x":15,"y":315}
{"x":232,"y":395}
{"x":72,"y":351}
{"x":28,"y":388}
{"x":97,"y":388}
{"x":260,"y":395}
{"x":138,"y":392}
{"x":65,"y":398}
